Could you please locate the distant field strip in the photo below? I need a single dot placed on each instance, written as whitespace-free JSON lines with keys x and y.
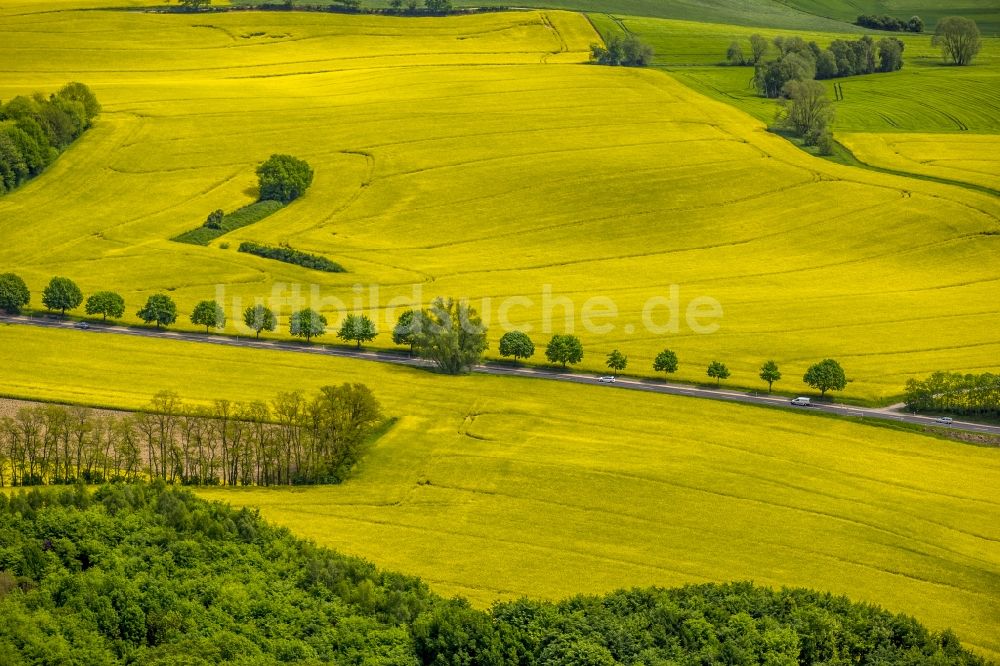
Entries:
{"x":924,"y":96}
{"x":496,"y":487}
{"x":477,"y":156}
{"x":963,"y":157}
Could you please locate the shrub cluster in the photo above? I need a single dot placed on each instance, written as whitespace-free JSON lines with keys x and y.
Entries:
{"x":955,"y":393}
{"x":291,"y":256}
{"x":628,"y":51}
{"x":890,"y":24}
{"x":151,"y":574}
{"x":291,"y":440}
{"x":34,"y":130}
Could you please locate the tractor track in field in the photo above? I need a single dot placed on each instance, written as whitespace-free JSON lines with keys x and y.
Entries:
{"x":861,"y":414}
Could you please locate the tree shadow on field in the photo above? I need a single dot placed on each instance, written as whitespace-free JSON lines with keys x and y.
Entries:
{"x":252,"y":192}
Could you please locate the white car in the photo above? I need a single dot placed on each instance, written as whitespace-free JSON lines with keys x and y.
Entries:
{"x":945,"y":420}
{"x":801,"y":402}
{"x":606,"y":379}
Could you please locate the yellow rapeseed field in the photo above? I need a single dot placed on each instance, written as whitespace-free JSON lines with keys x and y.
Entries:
{"x":969,"y":158}
{"x":474,"y":156}
{"x":494,"y":487}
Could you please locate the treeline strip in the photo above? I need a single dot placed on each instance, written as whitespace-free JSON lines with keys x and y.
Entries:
{"x":289,"y":255}
{"x":291,"y":440}
{"x":35,"y":130}
{"x":890,"y":23}
{"x":801,"y":60}
{"x":242,"y":217}
{"x":955,"y":393}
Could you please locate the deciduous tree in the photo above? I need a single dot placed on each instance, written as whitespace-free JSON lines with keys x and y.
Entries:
{"x":307,"y":324}
{"x":159,"y":309}
{"x":565,"y":349}
{"x":827,"y":375}
{"x":259,"y":318}
{"x":450,"y":333}
{"x":209,"y":314}
{"x":758,"y":48}
{"x":62,"y":294}
{"x":105,"y":303}
{"x":718,"y":371}
{"x":958,"y":38}
{"x":14,"y":294}
{"x":357,"y":328}
{"x":769,"y":373}
{"x":617,"y":362}
{"x":516,"y":344}
{"x":405,"y":328}
{"x":283,"y":178}
{"x":665,"y":361}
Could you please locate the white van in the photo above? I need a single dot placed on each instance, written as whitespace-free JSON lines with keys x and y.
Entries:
{"x":801,"y":402}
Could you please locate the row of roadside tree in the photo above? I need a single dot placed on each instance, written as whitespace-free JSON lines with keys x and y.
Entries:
{"x":293,"y":439}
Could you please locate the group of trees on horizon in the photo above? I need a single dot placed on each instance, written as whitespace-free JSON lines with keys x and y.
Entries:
{"x":293,"y":439}
{"x":890,"y":23}
{"x":35,"y":129}
{"x":797,"y":59}
{"x":151,"y":574}
{"x":625,"y":51}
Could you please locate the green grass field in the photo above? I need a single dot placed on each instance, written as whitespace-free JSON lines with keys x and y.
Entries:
{"x":925,"y":96}
{"x":474,"y":156}
{"x":496,"y":487}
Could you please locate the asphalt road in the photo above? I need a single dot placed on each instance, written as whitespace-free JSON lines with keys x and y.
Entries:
{"x":623,"y":383}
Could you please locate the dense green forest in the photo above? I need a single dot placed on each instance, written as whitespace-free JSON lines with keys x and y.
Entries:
{"x":150,"y":574}
{"x":34,"y":130}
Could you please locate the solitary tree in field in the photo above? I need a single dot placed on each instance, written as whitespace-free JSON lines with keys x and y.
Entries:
{"x":516,"y":344}
{"x":357,"y":328}
{"x":159,"y":309}
{"x":769,"y":373}
{"x":105,"y":303}
{"x":958,"y":38}
{"x":758,"y":48}
{"x":808,"y":112}
{"x":405,"y":328}
{"x":14,"y":294}
{"x":827,"y":375}
{"x":564,"y":349}
{"x":307,"y":324}
{"x":62,"y":294}
{"x":734,"y":54}
{"x":450,"y":333}
{"x":208,"y":314}
{"x":259,"y":318}
{"x":617,"y":362}
{"x":718,"y":371}
{"x":283,"y":178}
{"x":665,"y":361}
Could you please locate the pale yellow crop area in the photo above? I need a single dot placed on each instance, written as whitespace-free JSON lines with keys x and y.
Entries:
{"x":475,"y":156}
{"x":496,"y":487}
{"x":967,"y":158}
